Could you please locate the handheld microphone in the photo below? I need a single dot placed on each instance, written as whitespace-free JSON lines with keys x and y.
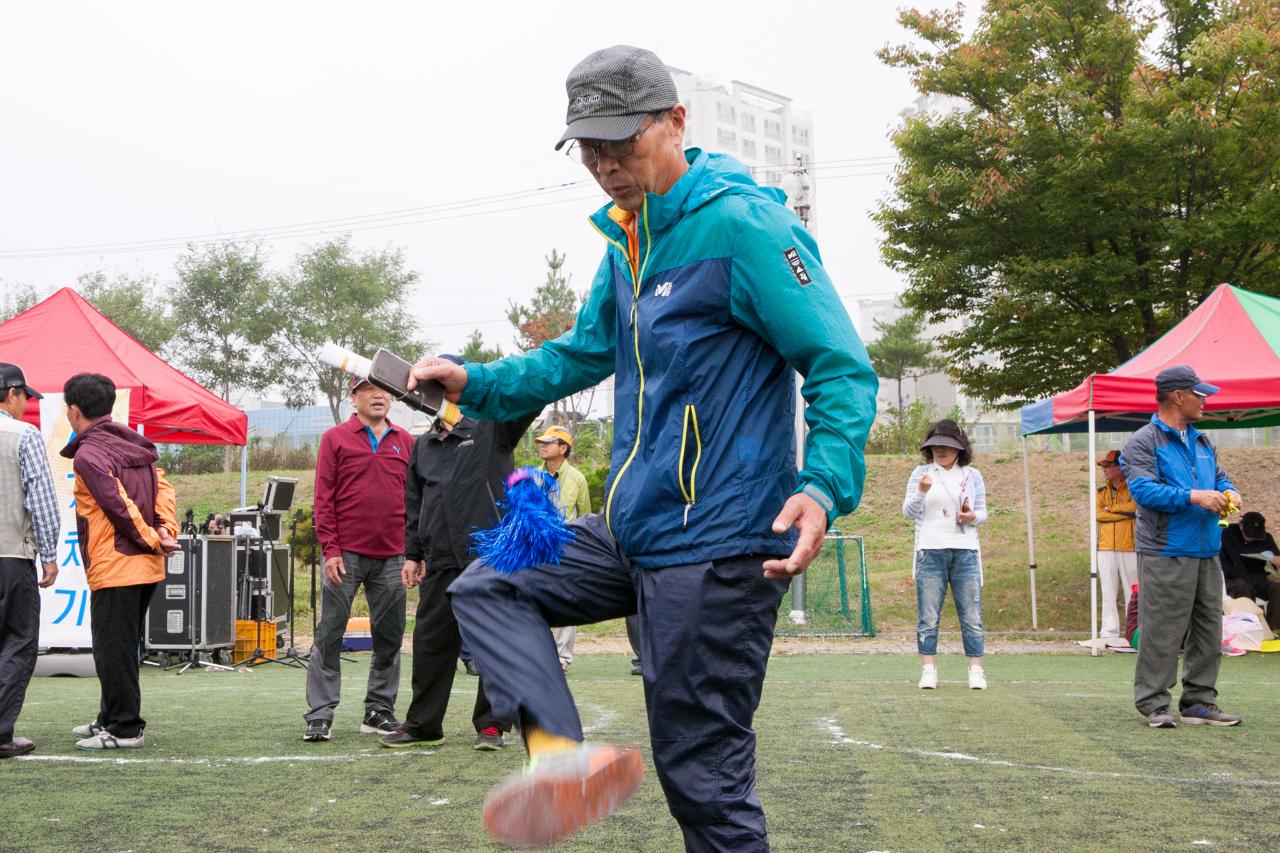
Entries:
{"x":391,"y":373}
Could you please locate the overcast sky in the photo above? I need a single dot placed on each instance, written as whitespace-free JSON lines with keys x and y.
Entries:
{"x":131,"y":122}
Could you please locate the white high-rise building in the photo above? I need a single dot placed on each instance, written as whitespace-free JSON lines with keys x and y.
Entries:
{"x":759,"y":127}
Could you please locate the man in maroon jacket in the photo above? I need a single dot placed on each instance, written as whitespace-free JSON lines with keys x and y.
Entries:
{"x":359,"y":517}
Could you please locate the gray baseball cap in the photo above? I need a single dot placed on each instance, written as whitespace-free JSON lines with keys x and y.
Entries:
{"x":612,"y":90}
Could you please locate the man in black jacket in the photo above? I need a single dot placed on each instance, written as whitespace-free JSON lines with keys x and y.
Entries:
{"x":1244,"y":563}
{"x":455,"y":478}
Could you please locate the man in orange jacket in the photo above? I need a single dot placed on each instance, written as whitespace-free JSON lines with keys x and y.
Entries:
{"x":126,"y":522}
{"x":1117,"y":560}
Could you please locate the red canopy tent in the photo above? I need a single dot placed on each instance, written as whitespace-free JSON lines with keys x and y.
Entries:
{"x":65,"y":335}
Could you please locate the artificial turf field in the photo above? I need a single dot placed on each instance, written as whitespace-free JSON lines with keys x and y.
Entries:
{"x":852,"y":757}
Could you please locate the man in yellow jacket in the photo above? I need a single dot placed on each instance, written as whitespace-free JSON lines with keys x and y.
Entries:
{"x":554,"y":447}
{"x":1117,"y":560}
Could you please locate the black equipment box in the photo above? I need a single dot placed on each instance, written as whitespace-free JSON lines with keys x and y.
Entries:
{"x":262,"y":577}
{"x":194,"y":607}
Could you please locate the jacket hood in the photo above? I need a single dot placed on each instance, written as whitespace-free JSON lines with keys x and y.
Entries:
{"x":709,"y":177}
{"x":125,"y":445}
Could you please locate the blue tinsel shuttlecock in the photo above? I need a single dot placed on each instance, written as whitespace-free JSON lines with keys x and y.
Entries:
{"x":532,"y":531}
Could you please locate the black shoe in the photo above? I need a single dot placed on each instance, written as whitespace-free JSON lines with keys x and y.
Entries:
{"x":471,"y":667}
{"x":401,"y":738}
{"x":490,"y":739}
{"x":1160,"y":718}
{"x":378,"y":723}
{"x":17,"y":746}
{"x":318,"y":730}
{"x":635,"y":668}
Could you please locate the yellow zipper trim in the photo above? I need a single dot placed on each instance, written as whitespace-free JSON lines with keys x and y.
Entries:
{"x":635,"y":338}
{"x":691,"y":493}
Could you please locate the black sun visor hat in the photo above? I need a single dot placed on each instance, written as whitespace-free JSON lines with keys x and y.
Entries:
{"x":942,"y":441}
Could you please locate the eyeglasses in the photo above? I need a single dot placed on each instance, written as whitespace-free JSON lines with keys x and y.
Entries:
{"x":588,"y":153}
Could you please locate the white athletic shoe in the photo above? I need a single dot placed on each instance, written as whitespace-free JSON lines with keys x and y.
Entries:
{"x":929,"y":678}
{"x":106,"y":740}
{"x":977,"y":678}
{"x":87,"y":730}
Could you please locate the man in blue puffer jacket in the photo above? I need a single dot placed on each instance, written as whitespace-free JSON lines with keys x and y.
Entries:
{"x":710,"y":295}
{"x":1174,"y":477}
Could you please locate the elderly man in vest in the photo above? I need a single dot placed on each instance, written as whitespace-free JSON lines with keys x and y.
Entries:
{"x":28,"y":529}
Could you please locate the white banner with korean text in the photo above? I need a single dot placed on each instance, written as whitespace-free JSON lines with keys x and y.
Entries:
{"x":64,"y":607}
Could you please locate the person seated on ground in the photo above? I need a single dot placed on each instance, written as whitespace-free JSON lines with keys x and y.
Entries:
{"x":1245,"y":564}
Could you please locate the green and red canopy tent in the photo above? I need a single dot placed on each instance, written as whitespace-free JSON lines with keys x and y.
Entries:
{"x":1231,"y":340}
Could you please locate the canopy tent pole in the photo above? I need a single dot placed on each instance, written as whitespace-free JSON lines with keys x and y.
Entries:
{"x":1031,"y":534}
{"x":244,"y":474}
{"x":1093,"y":534}
{"x":799,"y":614}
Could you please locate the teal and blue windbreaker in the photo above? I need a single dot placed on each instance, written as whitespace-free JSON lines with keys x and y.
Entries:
{"x":731,"y":296}
{"x":1162,"y":471}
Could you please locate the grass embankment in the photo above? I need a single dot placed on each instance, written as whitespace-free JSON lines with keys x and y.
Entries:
{"x":1060,"y":486}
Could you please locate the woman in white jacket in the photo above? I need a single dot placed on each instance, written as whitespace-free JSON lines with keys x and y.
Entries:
{"x":948,"y":500}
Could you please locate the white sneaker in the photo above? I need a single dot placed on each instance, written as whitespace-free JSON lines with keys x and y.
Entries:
{"x":106,"y":740}
{"x":929,"y":678}
{"x":977,"y":678}
{"x":87,"y":730}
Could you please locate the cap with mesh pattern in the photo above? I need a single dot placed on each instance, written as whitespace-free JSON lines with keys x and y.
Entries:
{"x":612,"y":90}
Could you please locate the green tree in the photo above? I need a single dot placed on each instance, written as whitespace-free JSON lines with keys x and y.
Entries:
{"x":476,"y":351}
{"x":136,"y":305}
{"x":359,"y":301}
{"x":220,"y":314}
{"x":1087,"y":194}
{"x":900,"y":353}
{"x":16,"y":298}
{"x":549,"y":315}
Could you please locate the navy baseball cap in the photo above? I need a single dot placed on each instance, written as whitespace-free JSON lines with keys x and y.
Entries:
{"x":1180,"y":377}
{"x":11,"y":377}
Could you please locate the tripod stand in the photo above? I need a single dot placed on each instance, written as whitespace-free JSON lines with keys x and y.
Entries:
{"x":266,"y":605}
{"x":292,"y":654}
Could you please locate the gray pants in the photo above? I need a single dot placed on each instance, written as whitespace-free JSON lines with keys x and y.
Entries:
{"x":385,"y":591}
{"x":1177,"y":597}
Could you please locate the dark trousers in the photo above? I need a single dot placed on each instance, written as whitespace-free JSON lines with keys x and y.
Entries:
{"x":436,"y":642}
{"x":117,"y":618}
{"x":705,"y":634}
{"x":1178,"y":597}
{"x":1267,"y":590}
{"x":19,"y":637}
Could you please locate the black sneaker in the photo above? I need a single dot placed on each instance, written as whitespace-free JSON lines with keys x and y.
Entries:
{"x":400,"y":738}
{"x":489,"y":739}
{"x":1160,"y":718}
{"x":635,"y":668}
{"x":1207,"y":715}
{"x":471,"y":667}
{"x":318,"y":730}
{"x":378,"y":723}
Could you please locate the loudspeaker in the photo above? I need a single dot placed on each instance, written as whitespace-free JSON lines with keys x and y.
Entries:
{"x":195,"y":605}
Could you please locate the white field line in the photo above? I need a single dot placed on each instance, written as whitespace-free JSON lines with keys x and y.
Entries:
{"x":832,"y":728}
{"x":231,"y":759}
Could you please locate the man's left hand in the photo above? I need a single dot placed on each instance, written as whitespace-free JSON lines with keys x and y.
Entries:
{"x":805,"y":515}
{"x":50,"y":574}
{"x":1236,"y":500}
{"x":168,"y":544}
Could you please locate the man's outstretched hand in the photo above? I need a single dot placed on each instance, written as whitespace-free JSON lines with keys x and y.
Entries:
{"x":805,"y":515}
{"x":452,"y":376}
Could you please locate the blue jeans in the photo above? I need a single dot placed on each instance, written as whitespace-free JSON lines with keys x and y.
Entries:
{"x":935,"y":568}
